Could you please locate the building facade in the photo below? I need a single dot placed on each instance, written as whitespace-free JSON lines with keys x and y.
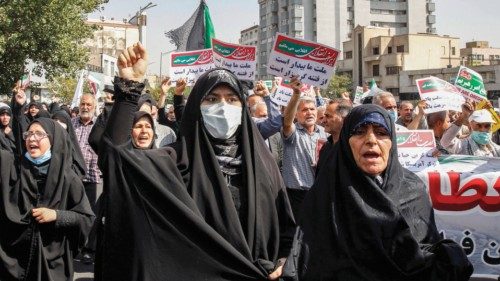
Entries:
{"x":478,"y":53}
{"x":332,"y":22}
{"x":377,"y":53}
{"x":108,"y":42}
{"x":249,"y":36}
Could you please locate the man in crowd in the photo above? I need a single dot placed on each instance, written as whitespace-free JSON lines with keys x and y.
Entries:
{"x":273,"y":122}
{"x":335,"y":112}
{"x":479,"y":142}
{"x":386,"y":100}
{"x":410,"y":120}
{"x":83,"y":124}
{"x":439,"y":122}
{"x":300,"y":141}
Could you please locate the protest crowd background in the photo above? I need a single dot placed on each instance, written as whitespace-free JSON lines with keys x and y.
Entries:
{"x":219,"y":176}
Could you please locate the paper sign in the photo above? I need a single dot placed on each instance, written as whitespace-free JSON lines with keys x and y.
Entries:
{"x":269,"y":84}
{"x":312,"y":62}
{"x":284,"y":93}
{"x":484,"y":105}
{"x":471,"y":83}
{"x":358,"y":95}
{"x":239,"y":59}
{"x":439,"y":95}
{"x":415,"y":150}
{"x":190,"y":65}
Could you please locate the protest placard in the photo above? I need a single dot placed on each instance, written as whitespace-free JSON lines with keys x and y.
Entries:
{"x":190,"y":65}
{"x":269,"y":84}
{"x":239,"y":59}
{"x":284,"y":92}
{"x":358,"y":95}
{"x":471,"y":84}
{"x":415,"y":150}
{"x":465,"y":195}
{"x":439,"y":95}
{"x":312,"y":62}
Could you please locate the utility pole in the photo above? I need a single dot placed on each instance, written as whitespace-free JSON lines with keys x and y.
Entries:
{"x":140,"y":20}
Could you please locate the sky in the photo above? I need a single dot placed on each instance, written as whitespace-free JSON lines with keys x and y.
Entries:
{"x":469,"y":20}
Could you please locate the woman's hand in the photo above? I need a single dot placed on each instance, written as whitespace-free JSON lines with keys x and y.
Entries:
{"x":180,"y":86}
{"x":278,"y":271}
{"x":19,"y":95}
{"x":133,"y":62}
{"x":44,"y":215}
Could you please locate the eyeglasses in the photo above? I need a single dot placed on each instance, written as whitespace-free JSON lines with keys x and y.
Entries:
{"x":38,"y":135}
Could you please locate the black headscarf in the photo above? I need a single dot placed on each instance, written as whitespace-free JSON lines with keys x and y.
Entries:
{"x":353,"y":227}
{"x":30,"y":248}
{"x":268,"y":215}
{"x":156,"y":229}
{"x":78,"y":161}
{"x":138,"y":115}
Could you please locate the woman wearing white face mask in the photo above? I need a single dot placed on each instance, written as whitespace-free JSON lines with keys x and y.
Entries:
{"x":232,"y":175}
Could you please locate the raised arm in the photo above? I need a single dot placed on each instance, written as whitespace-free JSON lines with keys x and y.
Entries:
{"x":132,"y":65}
{"x":291,"y":109}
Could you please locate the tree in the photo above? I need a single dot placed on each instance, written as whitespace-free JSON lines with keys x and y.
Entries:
{"x":48,"y":33}
{"x":63,"y":87}
{"x":338,"y":85}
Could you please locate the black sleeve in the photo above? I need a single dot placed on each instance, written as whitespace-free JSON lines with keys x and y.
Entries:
{"x":20,"y":123}
{"x":179,"y":106}
{"x":97,"y":131}
{"x":66,"y":219}
{"x":119,"y":125}
{"x":162,"y":117}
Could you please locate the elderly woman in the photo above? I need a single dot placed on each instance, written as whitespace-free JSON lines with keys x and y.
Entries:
{"x":215,"y":209}
{"x":44,"y":213}
{"x":368,"y":218}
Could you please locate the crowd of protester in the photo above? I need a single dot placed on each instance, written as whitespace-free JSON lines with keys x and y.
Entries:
{"x":223,"y":185}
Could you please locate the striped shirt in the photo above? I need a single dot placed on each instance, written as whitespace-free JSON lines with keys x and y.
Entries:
{"x":82,"y":132}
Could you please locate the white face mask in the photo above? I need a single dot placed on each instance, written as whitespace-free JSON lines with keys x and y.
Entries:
{"x":221,"y":119}
{"x":394,"y":115}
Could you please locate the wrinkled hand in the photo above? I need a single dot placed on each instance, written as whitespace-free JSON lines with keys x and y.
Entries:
{"x":19,"y":95}
{"x":261,"y":89}
{"x":422,"y":105}
{"x":295,"y":84}
{"x":166,"y":84}
{"x":180,"y":86}
{"x":44,"y":215}
{"x":132,"y":63}
{"x":278,"y":271}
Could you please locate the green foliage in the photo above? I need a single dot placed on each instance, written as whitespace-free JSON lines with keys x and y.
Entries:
{"x":338,"y":85}
{"x":63,"y":87}
{"x":50,"y":33}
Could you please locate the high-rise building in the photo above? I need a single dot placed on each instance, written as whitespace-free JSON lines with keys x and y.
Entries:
{"x":331,"y":22}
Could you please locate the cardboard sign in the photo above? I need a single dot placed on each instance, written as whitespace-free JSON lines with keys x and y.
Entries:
{"x":415,"y":150}
{"x":284,"y":93}
{"x":439,"y":95}
{"x":239,"y":59}
{"x":358,"y":95}
{"x":312,"y":62}
{"x":471,"y":84}
{"x":190,"y":65}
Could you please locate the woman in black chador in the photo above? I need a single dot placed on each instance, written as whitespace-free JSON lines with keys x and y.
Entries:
{"x":44,"y":213}
{"x":215,"y":208}
{"x":368,"y":218}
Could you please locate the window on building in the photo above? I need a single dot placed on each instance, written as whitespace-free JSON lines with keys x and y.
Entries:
{"x":392,"y":70}
{"x":453,"y":51}
{"x":400,"y":49}
{"x":376,"y":51}
{"x":389,"y":50}
{"x":348,"y":55}
{"x":376,"y":70}
{"x":443,"y":50}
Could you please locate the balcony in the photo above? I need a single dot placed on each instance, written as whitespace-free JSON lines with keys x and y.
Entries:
{"x":371,"y":58}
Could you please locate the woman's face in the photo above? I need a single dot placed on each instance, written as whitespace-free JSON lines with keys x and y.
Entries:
{"x":37,"y":142}
{"x":142,"y":133}
{"x":222,"y":93}
{"x":370,"y":146}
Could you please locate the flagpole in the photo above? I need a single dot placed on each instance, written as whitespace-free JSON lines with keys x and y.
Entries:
{"x":161,"y":60}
